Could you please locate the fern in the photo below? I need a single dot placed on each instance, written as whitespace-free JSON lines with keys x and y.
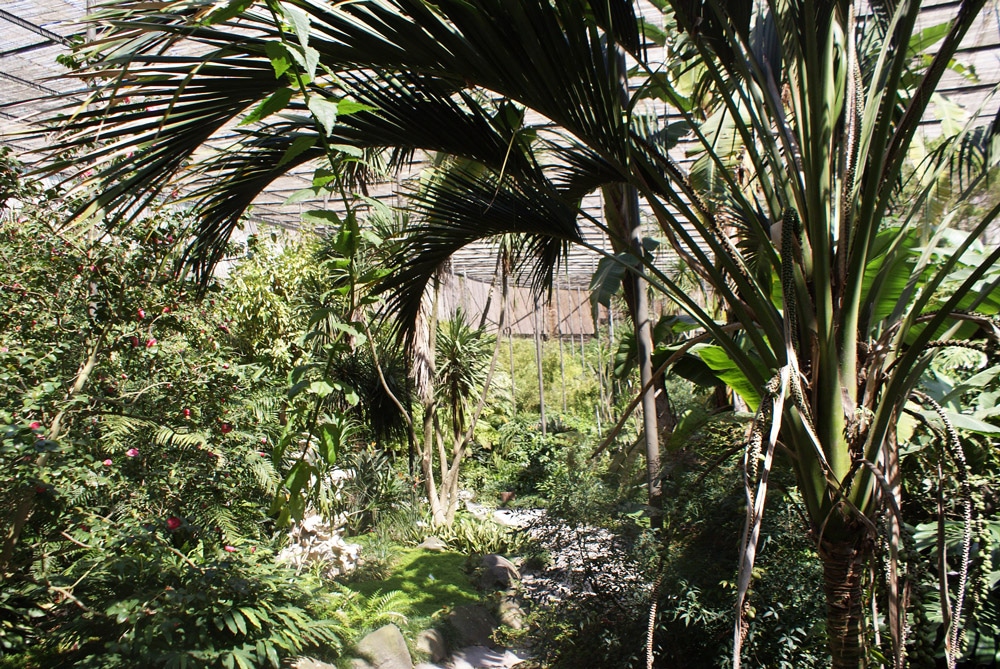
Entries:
{"x":265,"y":407}
{"x":263,"y":472}
{"x":167,"y":436}
{"x":357,"y":613}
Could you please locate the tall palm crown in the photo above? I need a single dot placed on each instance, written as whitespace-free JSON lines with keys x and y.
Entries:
{"x":798,"y":225}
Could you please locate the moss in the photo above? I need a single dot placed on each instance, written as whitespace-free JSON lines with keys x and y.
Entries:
{"x":429,"y":580}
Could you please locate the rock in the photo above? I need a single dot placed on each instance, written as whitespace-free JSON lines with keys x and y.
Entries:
{"x":384,"y":648}
{"x":511,"y":613}
{"x":309,"y":663}
{"x":314,"y":540}
{"x":432,"y":643}
{"x":519,"y":518}
{"x":480,"y":657}
{"x":473,"y":625}
{"x":478,"y":511}
{"x":426,"y":665}
{"x":498,"y":571}
{"x":359,"y":664}
{"x":433,"y":544}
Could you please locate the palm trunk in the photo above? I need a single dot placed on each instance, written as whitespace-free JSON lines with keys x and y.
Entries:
{"x":622,"y":207}
{"x":844,"y":568}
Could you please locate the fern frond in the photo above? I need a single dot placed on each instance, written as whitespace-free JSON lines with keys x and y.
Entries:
{"x":167,"y":436}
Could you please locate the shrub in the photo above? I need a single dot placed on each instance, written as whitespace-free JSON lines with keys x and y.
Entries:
{"x":131,"y":599}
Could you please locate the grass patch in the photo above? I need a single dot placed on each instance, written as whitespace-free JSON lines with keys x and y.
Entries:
{"x":430,"y":581}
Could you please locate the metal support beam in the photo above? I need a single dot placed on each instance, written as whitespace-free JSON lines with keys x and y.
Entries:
{"x":37,"y":29}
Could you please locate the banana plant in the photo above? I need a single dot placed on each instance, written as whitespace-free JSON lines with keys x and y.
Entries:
{"x":796,"y":212}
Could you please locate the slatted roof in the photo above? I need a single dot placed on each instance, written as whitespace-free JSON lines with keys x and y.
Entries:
{"x":34,"y":32}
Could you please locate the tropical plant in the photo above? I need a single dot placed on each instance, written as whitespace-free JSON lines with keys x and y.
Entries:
{"x":135,"y":439}
{"x":793,"y":214}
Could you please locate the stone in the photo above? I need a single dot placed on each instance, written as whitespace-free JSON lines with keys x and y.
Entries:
{"x":385,"y":648}
{"x":309,"y":663}
{"x":473,"y":625}
{"x":498,"y":571}
{"x":426,"y":665}
{"x":511,"y":613}
{"x":478,"y":511}
{"x":432,"y":643}
{"x":317,"y":541}
{"x":480,"y":657}
{"x":433,"y":544}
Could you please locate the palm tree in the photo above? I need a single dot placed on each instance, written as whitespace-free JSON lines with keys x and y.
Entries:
{"x":799,"y":224}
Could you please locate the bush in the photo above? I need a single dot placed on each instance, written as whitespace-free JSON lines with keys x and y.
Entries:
{"x":131,"y":599}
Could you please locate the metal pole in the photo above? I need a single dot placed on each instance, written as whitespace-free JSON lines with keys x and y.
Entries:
{"x":562,"y":365}
{"x":538,"y":361}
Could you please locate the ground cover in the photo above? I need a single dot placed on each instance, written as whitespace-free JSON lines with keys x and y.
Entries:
{"x":429,"y":581}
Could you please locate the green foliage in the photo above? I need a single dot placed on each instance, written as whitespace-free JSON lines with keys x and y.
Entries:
{"x":374,"y":491}
{"x":266,"y":308}
{"x":472,"y":536}
{"x":462,"y":359}
{"x":135,"y":600}
{"x":138,"y":424}
{"x":522,"y":459}
{"x":428,"y":580}
{"x":577,"y":378}
{"x":601,"y":622}
{"x":360,"y":614}
{"x":154,"y":413}
{"x":965,"y":383}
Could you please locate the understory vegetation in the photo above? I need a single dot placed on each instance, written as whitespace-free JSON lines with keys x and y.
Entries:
{"x":222,"y":445}
{"x":150,"y":425}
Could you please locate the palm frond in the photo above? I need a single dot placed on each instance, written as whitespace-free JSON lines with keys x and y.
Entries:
{"x":464,"y":206}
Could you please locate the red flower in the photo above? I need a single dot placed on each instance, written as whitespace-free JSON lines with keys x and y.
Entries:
{"x":35,"y":425}
{"x":140,"y":313}
{"x":173,"y":522}
{"x":226,"y":428}
{"x":187,"y":413}
{"x":150,"y":343}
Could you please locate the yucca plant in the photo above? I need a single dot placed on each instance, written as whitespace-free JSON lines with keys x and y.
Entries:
{"x":794,"y":213}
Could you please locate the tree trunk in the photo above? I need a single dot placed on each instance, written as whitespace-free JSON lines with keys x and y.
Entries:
{"x":844,"y":568}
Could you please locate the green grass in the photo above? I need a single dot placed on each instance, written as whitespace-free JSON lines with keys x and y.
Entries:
{"x":429,"y":580}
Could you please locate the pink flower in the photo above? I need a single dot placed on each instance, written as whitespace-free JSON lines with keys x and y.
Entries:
{"x":253,"y":549}
{"x":173,"y":522}
{"x":35,"y":425}
{"x":140,"y":313}
{"x":151,"y":342}
{"x":107,"y":463}
{"x":229,"y":549}
{"x":262,"y":454}
{"x":132,"y":452}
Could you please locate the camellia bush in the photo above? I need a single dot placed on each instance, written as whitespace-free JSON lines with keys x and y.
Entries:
{"x":136,"y":437}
